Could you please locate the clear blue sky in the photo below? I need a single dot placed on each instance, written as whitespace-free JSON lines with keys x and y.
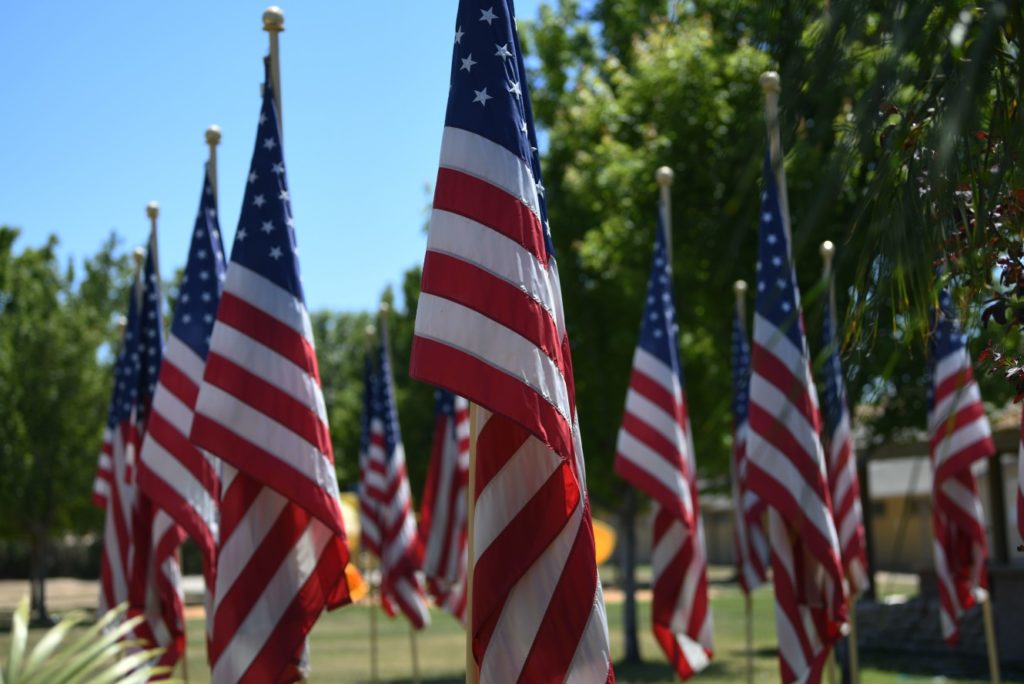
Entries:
{"x":104,"y":108}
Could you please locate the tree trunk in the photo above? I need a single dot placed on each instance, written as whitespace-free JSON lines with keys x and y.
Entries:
{"x":628,"y":571}
{"x":38,"y":566}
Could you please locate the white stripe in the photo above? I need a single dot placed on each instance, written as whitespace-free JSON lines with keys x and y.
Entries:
{"x":291,"y":576}
{"x":590,"y":663}
{"x":666,"y":548}
{"x":975,"y":431}
{"x":951,"y":364}
{"x":769,"y":399}
{"x":273,"y":438}
{"x":246,"y":537}
{"x":181,"y":481}
{"x":173,"y":410}
{"x":789,"y":642}
{"x":645,"y":458}
{"x":524,"y":609}
{"x":954,"y":402}
{"x":270,"y":366}
{"x":779,"y":345}
{"x":184,"y":359}
{"x":477,"y":156}
{"x":510,"y":490}
{"x":657,"y":418}
{"x":777,"y":466}
{"x":268,"y":297}
{"x":658,"y":371}
{"x":964,"y":499}
{"x":471,"y":332}
{"x":502,"y":257}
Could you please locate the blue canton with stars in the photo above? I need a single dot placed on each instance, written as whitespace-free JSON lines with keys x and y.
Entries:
{"x":126,"y":372}
{"x":946,"y":338}
{"x":835,"y":389}
{"x":444,"y":405}
{"x":740,"y":370}
{"x":265,"y":239}
{"x":151,"y":337}
{"x":383,"y":399}
{"x":659,"y":332}
{"x":778,"y":299}
{"x":488,"y":94}
{"x":203,"y":280}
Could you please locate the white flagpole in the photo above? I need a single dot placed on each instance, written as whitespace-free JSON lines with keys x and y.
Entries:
{"x":472,"y":670}
{"x":664,"y":175}
{"x":273,"y":24}
{"x":985,"y":599}
{"x":212,"y":140}
{"x":739,"y":289}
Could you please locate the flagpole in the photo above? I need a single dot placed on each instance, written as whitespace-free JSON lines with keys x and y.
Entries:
{"x":371,"y":332}
{"x":770,"y":86}
{"x":273,"y":24}
{"x":985,"y":599}
{"x":212,"y":140}
{"x":739,"y":289}
{"x":665,"y":175}
{"x":472,"y":670}
{"x":415,"y":655}
{"x":854,"y":656}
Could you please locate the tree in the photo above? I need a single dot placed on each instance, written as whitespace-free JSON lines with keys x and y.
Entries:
{"x":902,"y":127}
{"x":56,"y":333}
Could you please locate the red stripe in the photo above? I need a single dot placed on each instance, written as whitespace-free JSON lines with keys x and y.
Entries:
{"x":459,"y":281}
{"x":646,"y":434}
{"x":657,"y":394}
{"x":182,"y":450}
{"x":491,"y":206}
{"x":438,"y":364}
{"x":179,"y":384}
{"x":268,"y":469}
{"x":794,"y":388}
{"x":268,"y":331}
{"x":515,"y":549}
{"x":567,"y":613}
{"x":767,"y":426}
{"x":652,"y":486}
{"x":959,"y":380}
{"x":266,"y":398}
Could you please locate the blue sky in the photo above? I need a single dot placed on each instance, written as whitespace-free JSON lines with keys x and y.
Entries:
{"x":105,"y":107}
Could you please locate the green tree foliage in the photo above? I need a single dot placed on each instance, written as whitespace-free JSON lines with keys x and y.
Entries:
{"x":56,"y":332}
{"x":889,"y":112}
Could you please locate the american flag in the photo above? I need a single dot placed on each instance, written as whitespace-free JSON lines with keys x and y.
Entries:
{"x":181,"y":479}
{"x":841,"y":458}
{"x":490,"y":327}
{"x":369,"y":528}
{"x":401,"y":550}
{"x":748,"y":534}
{"x":443,"y":509}
{"x":154,"y":590}
{"x":655,"y":454}
{"x":113,"y":488}
{"x":785,"y":460}
{"x":260,"y":409}
{"x":960,"y":435}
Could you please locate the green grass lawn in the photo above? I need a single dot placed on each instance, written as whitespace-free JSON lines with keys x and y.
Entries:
{"x":341,"y":650}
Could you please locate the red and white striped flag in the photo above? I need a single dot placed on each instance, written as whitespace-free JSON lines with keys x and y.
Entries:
{"x":401,"y":550}
{"x":260,"y":409}
{"x":655,"y":454}
{"x":490,"y":327}
{"x":748,"y":509}
{"x":181,"y":479}
{"x":960,"y":435}
{"x":842,"y":460}
{"x":443,"y":509}
{"x":785,"y":459}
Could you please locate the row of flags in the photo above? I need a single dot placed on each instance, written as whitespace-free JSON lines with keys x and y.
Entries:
{"x":222,"y":435}
{"x":796,"y":494}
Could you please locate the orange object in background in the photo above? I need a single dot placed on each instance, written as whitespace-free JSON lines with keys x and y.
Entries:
{"x":604,"y":540}
{"x":357,"y":585}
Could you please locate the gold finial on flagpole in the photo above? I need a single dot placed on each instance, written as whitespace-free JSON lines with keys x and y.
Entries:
{"x":828,"y":251}
{"x":739,"y":288}
{"x":273,"y":24}
{"x":212,"y":140}
{"x":665,"y":176}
